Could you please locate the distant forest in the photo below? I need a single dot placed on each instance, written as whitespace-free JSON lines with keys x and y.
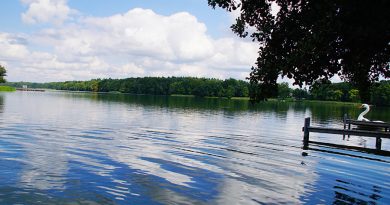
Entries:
{"x":202,"y":87}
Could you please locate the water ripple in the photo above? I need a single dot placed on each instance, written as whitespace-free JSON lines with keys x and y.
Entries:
{"x":101,"y":150}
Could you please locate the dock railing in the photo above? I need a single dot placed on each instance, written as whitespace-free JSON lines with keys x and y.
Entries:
{"x":348,"y":131}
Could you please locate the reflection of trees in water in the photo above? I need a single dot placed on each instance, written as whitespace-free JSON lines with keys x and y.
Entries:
{"x":189,"y":103}
{"x":377,"y":113}
{"x":324,"y":112}
{"x":192,"y":103}
{"x":1,"y":103}
{"x":336,"y":111}
{"x":321,"y":112}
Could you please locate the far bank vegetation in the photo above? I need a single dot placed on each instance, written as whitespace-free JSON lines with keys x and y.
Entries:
{"x":229,"y":88}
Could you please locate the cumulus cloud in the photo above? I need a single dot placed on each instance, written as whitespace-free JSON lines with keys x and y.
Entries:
{"x":12,"y":47}
{"x":46,"y":11}
{"x":25,"y":65}
{"x":136,"y":43}
{"x":144,"y":33}
{"x":131,"y":69}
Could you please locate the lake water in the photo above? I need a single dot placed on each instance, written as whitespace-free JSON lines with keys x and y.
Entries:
{"x":85,"y":148}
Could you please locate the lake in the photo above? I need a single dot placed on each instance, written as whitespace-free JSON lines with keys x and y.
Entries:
{"x":88,"y":148}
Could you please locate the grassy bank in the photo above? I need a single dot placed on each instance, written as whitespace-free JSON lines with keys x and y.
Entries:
{"x":180,"y":95}
{"x":6,"y":89}
{"x":305,"y":101}
{"x":334,"y":102}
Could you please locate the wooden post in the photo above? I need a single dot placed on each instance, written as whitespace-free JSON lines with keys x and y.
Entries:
{"x":378,"y":143}
{"x":306,"y":133}
{"x":345,"y":120}
{"x":345,"y":123}
{"x":349,"y":127}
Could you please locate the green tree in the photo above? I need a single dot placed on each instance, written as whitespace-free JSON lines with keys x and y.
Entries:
{"x":299,"y":94}
{"x":308,"y":40}
{"x":2,"y":74}
{"x":229,"y":92}
{"x":381,"y":94}
{"x":283,"y":90}
{"x":354,"y":95}
{"x":94,"y":85}
{"x":177,"y":88}
{"x":321,"y":90}
{"x":336,"y":95}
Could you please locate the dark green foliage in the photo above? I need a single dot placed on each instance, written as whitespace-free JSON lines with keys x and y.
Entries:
{"x":284,"y":91}
{"x":311,"y":40}
{"x":321,"y":90}
{"x":353,"y":95}
{"x":2,"y":74}
{"x":381,"y":93}
{"x":202,"y":87}
{"x":300,"y":94}
{"x":153,"y":86}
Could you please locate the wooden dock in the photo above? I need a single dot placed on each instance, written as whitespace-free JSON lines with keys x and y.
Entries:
{"x":30,"y":89}
{"x":348,"y":131}
{"x":349,"y":122}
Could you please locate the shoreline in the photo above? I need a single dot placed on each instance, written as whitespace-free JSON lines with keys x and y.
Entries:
{"x":212,"y":97}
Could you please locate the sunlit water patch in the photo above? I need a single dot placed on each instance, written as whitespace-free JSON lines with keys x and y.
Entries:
{"x":83,"y":148}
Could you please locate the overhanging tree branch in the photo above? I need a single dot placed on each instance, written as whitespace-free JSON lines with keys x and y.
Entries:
{"x":310,"y":40}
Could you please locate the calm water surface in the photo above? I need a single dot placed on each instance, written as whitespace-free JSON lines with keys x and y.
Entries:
{"x":83,"y":148}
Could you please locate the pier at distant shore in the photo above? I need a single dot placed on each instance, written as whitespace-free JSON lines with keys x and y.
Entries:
{"x":30,"y":89}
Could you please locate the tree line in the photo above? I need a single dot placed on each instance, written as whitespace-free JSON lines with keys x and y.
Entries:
{"x":202,"y":87}
{"x":344,"y":92}
{"x":153,"y":86}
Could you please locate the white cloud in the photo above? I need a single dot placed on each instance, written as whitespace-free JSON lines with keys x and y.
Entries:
{"x":46,"y":11}
{"x":136,"y":43}
{"x":144,"y":33}
{"x":131,"y":70}
{"x":231,"y":53}
{"x":11,"y":47}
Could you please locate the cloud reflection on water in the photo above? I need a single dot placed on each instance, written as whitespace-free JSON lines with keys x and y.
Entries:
{"x":127,"y":151}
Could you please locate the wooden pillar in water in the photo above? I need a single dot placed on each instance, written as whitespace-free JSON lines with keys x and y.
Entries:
{"x":345,"y":120}
{"x":306,"y":133}
{"x":349,"y":124}
{"x":378,"y":143}
{"x":345,"y":124}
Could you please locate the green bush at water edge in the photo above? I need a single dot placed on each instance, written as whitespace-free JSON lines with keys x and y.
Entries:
{"x":6,"y":89}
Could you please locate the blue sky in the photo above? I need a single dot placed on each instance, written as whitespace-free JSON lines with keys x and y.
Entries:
{"x":57,"y":40}
{"x":217,"y":20}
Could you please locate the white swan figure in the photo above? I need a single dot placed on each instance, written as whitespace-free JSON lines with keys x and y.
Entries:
{"x":361,"y":116}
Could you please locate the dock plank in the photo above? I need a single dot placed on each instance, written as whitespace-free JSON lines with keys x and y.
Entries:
{"x":368,"y":123}
{"x":350,"y":132}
